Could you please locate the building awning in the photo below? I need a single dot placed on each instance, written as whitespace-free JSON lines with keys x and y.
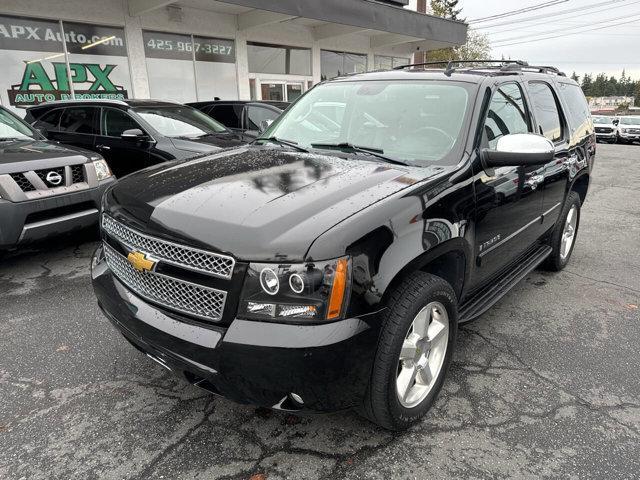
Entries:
{"x":385,"y":25}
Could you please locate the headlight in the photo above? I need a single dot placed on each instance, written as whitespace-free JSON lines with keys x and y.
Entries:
{"x":299,"y":293}
{"x":102,"y":169}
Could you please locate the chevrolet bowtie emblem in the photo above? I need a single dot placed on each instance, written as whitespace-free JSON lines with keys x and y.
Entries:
{"x":140,"y":261}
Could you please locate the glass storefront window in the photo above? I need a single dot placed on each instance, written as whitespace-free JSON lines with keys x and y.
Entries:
{"x":383,"y":62}
{"x":278,"y":59}
{"x":98,"y":61}
{"x":35,"y":69}
{"x":33,"y":65}
{"x":185,"y":68}
{"x":334,"y":64}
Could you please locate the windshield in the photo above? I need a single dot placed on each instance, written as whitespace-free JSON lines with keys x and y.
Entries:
{"x":416,"y":122}
{"x":607,"y":120}
{"x":630,"y":121}
{"x":180,"y":121}
{"x":13,"y":128}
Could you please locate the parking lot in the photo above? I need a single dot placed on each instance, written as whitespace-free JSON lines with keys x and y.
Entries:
{"x":546,"y":384}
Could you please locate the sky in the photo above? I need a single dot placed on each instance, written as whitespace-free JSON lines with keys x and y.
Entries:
{"x":606,"y":50}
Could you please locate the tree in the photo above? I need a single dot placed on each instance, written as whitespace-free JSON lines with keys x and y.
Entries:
{"x":446,"y":9}
{"x":637,"y":93}
{"x":575,"y":77}
{"x":477,"y":47}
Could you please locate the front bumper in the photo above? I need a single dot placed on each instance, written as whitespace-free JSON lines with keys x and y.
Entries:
{"x":22,"y":222}
{"x":260,"y":363}
{"x":629,"y":137}
{"x":606,"y":136}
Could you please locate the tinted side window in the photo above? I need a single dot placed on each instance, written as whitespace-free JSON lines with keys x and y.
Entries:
{"x":578,"y":109}
{"x":546,"y":110}
{"x":228,"y":115}
{"x":255,"y":115}
{"x":79,"y":120}
{"x":115,"y":121}
{"x":507,"y":114}
{"x":49,"y":121}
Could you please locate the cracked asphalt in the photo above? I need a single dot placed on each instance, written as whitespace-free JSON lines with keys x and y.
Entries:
{"x":544,"y":385}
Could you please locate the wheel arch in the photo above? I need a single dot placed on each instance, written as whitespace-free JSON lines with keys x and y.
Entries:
{"x":449,"y":260}
{"x":580,"y":185}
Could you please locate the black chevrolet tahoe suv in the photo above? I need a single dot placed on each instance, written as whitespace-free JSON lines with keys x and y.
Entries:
{"x":45,"y":188}
{"x":328,"y":265}
{"x":132,"y":134}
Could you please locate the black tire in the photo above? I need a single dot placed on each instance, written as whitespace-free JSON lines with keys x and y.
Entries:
{"x":556,"y":262}
{"x":417,"y":290}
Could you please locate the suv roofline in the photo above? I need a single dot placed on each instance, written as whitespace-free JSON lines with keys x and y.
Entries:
{"x":133,"y":102}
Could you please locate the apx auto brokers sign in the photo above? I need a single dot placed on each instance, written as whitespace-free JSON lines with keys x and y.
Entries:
{"x":32,"y":54}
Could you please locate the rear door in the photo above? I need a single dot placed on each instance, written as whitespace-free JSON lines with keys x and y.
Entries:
{"x":551,"y":121}
{"x":124,"y":156}
{"x":78,"y":126}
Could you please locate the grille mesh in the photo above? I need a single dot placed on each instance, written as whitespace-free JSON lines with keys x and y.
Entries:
{"x":77,"y":174}
{"x":185,"y":297}
{"x":23,"y":182}
{"x":186,"y":257}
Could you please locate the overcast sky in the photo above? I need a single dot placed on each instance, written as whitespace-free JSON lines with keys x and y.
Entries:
{"x":605,"y":50}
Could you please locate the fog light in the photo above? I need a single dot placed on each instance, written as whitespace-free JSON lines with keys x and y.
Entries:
{"x":292,"y":311}
{"x":269,"y":281}
{"x":262,"y":308}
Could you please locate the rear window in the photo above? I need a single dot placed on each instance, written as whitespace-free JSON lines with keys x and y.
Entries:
{"x":579,"y":114}
{"x":79,"y":120}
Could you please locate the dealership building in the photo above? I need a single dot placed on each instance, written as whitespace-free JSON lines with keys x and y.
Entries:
{"x":192,"y":50}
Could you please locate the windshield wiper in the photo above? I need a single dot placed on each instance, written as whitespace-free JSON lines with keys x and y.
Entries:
{"x":376,"y":152}
{"x":280,"y":141}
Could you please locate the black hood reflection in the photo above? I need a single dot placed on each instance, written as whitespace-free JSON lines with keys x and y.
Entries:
{"x":257,"y":203}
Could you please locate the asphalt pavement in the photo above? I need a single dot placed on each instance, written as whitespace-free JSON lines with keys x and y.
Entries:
{"x":544,"y":385}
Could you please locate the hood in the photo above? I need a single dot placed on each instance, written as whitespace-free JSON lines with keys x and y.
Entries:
{"x":207,"y":143}
{"x":39,"y":154}
{"x":256,"y":203}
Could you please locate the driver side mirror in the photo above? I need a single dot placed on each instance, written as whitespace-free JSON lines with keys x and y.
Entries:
{"x":133,"y":134}
{"x":264,"y":124}
{"x":519,"y":149}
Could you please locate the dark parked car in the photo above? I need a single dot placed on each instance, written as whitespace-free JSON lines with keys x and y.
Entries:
{"x":45,"y":188}
{"x":247,"y":118}
{"x":328,"y":265}
{"x":132,"y":134}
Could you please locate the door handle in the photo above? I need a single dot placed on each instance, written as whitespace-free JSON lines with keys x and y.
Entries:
{"x":103,"y":147}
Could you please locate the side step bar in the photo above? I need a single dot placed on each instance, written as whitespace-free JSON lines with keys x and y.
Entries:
{"x":483,"y":300}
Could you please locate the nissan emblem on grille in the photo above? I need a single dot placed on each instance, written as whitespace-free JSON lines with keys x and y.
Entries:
{"x":54,"y":178}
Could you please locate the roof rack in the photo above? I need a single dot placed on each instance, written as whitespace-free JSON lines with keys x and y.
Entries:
{"x":502,"y":65}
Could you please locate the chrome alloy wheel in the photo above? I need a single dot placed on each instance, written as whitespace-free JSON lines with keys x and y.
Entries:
{"x":422,"y":354}
{"x":568,"y":233}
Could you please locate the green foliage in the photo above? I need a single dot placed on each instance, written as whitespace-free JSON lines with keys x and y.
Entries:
{"x":603,"y":86}
{"x":476,"y":48}
{"x":447,"y":9}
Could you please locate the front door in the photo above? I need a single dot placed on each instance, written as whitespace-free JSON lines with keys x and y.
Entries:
{"x":124,"y":156}
{"x":508,"y":200}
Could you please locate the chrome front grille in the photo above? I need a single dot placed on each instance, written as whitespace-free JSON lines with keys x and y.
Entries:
{"x":179,"y":255}
{"x":184,"y":297}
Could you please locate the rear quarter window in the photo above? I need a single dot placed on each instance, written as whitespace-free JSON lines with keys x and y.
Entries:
{"x":578,"y":110}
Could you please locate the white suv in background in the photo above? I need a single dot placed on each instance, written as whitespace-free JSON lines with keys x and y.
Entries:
{"x":629,"y":129}
{"x":606,"y":129}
